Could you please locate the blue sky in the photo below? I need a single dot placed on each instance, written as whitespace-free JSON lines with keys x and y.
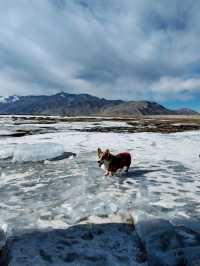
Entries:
{"x":128,"y":49}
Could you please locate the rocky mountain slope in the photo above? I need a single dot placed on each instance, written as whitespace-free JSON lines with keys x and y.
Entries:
{"x":136,"y":108}
{"x":80,"y":104}
{"x":58,"y":104}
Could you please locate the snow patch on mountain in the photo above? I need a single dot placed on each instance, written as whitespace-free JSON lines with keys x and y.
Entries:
{"x":9,"y":99}
{"x":3,"y":99}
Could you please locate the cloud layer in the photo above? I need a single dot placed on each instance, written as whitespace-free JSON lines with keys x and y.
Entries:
{"x":111,"y":48}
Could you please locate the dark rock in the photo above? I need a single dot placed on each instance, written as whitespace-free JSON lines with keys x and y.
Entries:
{"x":49,"y":247}
{"x":70,"y":257}
{"x":3,"y":249}
{"x":87,"y":236}
{"x":167,"y":244}
{"x":45,"y":256}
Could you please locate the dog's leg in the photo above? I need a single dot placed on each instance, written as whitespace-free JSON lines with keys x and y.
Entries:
{"x":107,"y":173}
{"x":126,"y":169}
{"x":110,"y":173}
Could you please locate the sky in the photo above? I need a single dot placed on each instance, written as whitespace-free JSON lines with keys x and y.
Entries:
{"x":130,"y":49}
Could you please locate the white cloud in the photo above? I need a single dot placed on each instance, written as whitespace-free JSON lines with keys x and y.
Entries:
{"x":130,"y":49}
{"x":176,"y":85}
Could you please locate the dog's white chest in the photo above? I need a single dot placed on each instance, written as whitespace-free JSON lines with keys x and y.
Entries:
{"x":103,"y":167}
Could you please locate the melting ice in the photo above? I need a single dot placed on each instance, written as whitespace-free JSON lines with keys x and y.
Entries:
{"x":164,"y":178}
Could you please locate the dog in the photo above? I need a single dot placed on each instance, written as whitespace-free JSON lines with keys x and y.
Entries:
{"x":111,"y":163}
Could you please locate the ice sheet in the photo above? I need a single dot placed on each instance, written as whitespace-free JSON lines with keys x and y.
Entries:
{"x":37,"y":152}
{"x":163,"y":180}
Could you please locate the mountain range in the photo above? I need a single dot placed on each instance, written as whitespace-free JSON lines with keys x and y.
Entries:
{"x":82,"y":104}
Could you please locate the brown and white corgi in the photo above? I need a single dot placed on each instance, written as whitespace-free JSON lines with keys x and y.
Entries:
{"x":112,"y":163}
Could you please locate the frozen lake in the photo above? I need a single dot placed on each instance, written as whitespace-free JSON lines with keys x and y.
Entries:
{"x":164,"y":178}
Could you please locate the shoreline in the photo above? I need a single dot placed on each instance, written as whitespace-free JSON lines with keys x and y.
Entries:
{"x":138,"y":124}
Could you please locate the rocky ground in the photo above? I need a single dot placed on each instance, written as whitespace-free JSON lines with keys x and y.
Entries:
{"x":134,"y":239}
{"x":153,"y":124}
{"x":160,"y":124}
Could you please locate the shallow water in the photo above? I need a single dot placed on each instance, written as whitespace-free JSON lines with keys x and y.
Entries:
{"x":164,"y":179}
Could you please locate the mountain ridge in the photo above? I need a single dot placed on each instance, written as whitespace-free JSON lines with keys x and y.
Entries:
{"x":70,"y":104}
{"x":186,"y":111}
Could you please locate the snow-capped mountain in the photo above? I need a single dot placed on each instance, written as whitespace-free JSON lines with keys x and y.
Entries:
{"x":9,"y":99}
{"x":58,"y":104}
{"x":78,"y":104}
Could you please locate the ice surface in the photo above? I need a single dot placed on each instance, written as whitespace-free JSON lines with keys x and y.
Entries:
{"x":163,"y":179}
{"x":37,"y":152}
{"x":6,"y":151}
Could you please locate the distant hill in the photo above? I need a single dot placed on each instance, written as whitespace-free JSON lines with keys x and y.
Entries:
{"x":80,"y":104}
{"x":186,"y":111}
{"x":136,"y":108}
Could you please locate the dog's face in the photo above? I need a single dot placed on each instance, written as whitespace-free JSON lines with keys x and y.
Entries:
{"x":103,"y":156}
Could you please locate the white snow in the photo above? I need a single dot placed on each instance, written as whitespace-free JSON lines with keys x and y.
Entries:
{"x":15,"y":98}
{"x":3,"y":99}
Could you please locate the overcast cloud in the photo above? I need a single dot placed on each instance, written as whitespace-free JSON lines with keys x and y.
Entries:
{"x":110,"y":48}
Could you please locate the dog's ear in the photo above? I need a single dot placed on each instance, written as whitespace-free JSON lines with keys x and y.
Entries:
{"x":107,"y":151}
{"x":99,"y":151}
